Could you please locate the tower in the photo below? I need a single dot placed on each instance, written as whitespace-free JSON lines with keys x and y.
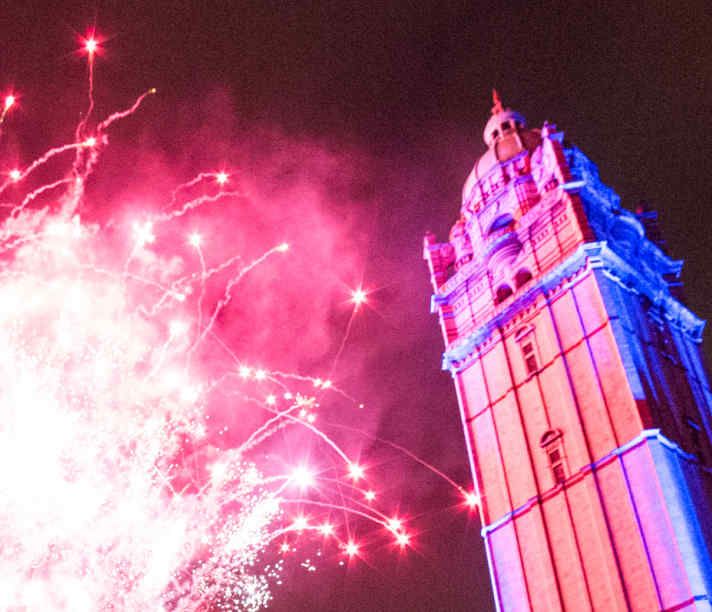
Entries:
{"x":579,"y":376}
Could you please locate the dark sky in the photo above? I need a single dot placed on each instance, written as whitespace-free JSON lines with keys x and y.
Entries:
{"x":404,"y":88}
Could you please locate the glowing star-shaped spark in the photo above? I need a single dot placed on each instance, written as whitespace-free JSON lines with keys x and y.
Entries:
{"x":244,"y":372}
{"x":271,"y":400}
{"x":285,"y":548}
{"x":395,"y":524}
{"x":9,"y":102}
{"x":283,"y":248}
{"x":260,"y":374}
{"x":403,"y":539}
{"x":300,"y":523}
{"x":359,"y":297}
{"x":326,"y":529}
{"x":90,"y":142}
{"x":471,"y":500}
{"x":221,"y":178}
{"x":351,"y":548}
{"x":356,"y":472}
{"x":303,"y":477}
{"x":195,"y":240}
{"x":91,"y":45}
{"x":15,"y":175}
{"x":370,"y":495}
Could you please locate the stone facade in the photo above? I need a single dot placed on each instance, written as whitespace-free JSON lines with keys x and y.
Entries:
{"x":583,"y":396}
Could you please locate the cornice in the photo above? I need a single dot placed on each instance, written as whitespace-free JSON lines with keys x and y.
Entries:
{"x":596,"y":255}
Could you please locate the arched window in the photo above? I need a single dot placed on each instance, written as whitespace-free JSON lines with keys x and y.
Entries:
{"x":522,"y":277}
{"x":553,"y":446}
{"x":503,"y":292}
{"x":500,"y":222}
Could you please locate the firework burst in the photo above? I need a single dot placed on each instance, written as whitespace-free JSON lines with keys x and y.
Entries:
{"x":118,"y":491}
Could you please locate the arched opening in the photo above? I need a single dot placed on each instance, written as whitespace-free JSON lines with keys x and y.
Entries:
{"x":522,"y":277}
{"x":501,"y":222}
{"x":522,"y":332}
{"x":503,"y":292}
{"x":549,"y":437}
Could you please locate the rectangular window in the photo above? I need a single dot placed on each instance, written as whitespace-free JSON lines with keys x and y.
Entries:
{"x":552,"y":444}
{"x":529,"y":357}
{"x":556,"y":460}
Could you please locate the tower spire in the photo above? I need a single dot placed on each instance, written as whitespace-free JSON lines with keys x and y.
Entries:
{"x":496,"y":102}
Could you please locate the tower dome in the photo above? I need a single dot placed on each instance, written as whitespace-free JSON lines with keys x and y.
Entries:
{"x":503,"y":123}
{"x":506,"y":135}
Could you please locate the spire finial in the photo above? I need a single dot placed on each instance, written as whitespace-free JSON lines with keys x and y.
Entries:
{"x":496,"y":102}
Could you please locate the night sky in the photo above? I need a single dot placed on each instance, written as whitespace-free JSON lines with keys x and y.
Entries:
{"x":394,"y":96}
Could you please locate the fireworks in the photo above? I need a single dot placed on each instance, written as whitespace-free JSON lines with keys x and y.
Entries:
{"x":117,"y":491}
{"x":359,"y":296}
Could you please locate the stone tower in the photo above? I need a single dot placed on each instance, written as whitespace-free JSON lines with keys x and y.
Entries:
{"x":583,"y":396}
